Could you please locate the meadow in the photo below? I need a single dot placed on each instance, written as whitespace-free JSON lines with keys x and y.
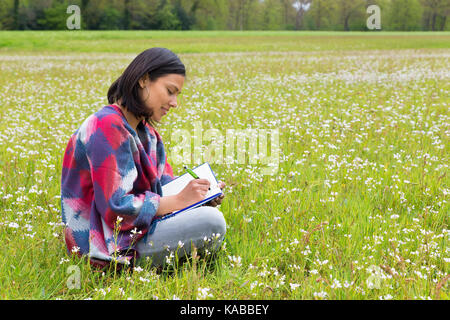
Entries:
{"x":357,"y":209}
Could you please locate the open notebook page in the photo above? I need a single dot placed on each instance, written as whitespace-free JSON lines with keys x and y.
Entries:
{"x":204,"y":172}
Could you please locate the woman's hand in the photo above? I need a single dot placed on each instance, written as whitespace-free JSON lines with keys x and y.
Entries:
{"x":218,"y":200}
{"x":195,"y":191}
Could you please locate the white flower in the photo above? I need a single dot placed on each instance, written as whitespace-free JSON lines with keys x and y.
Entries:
{"x":134,"y":231}
{"x":203,"y":293}
{"x":321,"y":294}
{"x":169,"y":258}
{"x":75,"y":249}
{"x":236,"y":261}
{"x":13,"y":225}
{"x":294,"y":286}
{"x":336,"y":284}
{"x":138,"y":269}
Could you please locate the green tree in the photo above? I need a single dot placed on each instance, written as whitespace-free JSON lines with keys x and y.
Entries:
{"x":240,"y":14}
{"x":220,"y":14}
{"x":348,"y":10}
{"x":16,"y":14}
{"x":91,"y":16}
{"x":55,"y":17}
{"x":301,"y":7}
{"x":186,"y":20}
{"x":321,"y":12}
{"x":143,"y":14}
{"x":6,"y":20}
{"x":289,"y":14}
{"x":435,"y":13}
{"x":188,"y":10}
{"x":404,"y":15}
{"x":272,"y":11}
{"x":206,"y":14}
{"x":110,"y":19}
{"x":167,"y":18}
{"x":126,"y":14}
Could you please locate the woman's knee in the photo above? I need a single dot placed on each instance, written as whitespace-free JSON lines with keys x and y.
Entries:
{"x":213,"y":220}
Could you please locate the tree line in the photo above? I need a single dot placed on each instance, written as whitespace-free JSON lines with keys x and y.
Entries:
{"x":338,"y":15}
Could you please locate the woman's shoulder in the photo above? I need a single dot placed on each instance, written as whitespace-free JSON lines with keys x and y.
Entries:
{"x":110,"y":114}
{"x":107,"y":117}
{"x":107,"y":120}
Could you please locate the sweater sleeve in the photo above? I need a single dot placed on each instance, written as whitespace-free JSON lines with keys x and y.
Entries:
{"x":166,"y":171}
{"x":111,"y":151}
{"x":167,"y":175}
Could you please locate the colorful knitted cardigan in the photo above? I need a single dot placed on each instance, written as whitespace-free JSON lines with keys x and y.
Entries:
{"x":111,"y":186}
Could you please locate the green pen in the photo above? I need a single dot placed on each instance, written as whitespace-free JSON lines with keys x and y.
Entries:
{"x":193,"y":174}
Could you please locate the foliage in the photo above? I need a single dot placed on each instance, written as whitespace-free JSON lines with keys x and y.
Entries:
{"x":348,"y":15}
{"x":405,"y":15}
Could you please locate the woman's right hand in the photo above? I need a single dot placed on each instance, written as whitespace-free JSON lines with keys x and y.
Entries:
{"x":195,"y":191}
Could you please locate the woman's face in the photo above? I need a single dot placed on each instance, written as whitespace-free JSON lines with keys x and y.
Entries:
{"x":161,"y":95}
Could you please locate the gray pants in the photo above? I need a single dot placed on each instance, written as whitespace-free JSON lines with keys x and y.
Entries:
{"x":172,"y":238}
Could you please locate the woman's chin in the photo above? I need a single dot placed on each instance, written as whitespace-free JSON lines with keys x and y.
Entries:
{"x":156,"y":118}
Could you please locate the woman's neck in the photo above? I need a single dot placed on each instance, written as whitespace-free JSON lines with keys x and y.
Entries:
{"x":131,"y":119}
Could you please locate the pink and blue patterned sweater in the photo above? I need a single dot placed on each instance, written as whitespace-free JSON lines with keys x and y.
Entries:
{"x":110,"y":171}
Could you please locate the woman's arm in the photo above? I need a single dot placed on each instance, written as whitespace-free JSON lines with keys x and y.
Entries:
{"x":168,"y":204}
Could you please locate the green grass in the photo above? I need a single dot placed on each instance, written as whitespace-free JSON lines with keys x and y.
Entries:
{"x":215,"y":41}
{"x":362,"y":181}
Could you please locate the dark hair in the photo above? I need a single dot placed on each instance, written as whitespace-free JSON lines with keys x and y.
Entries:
{"x":156,"y":62}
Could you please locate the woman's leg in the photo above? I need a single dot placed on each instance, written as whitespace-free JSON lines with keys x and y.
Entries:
{"x":203,"y":227}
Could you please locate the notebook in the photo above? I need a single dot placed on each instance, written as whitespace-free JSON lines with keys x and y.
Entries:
{"x":203,"y":171}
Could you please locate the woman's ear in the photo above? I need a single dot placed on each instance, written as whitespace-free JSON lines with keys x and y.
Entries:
{"x":143,"y":80}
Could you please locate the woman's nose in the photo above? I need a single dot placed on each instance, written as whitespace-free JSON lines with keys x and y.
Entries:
{"x":173,"y":102}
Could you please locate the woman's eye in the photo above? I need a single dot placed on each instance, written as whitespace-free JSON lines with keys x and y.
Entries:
{"x":169,"y":92}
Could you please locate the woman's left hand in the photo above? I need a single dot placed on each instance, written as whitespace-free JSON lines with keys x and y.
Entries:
{"x":218,"y":200}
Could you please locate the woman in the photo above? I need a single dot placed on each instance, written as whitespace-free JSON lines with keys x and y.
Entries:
{"x":113,"y":170}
